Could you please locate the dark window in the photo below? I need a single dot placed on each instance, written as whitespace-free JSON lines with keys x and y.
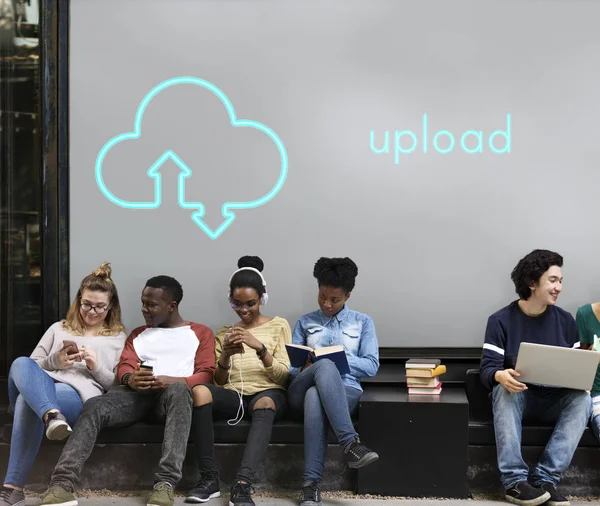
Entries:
{"x":31,"y":297}
{"x":20,"y":182}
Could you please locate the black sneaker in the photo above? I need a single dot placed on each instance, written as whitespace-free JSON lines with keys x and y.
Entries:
{"x":359,"y":455}
{"x":524,"y":494}
{"x":57,"y":427}
{"x":205,"y":489}
{"x":555,"y":498}
{"x":241,"y":494}
{"x":311,"y":494}
{"x":11,"y":497}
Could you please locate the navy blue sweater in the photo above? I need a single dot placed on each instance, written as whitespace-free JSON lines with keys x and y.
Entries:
{"x":510,"y":326}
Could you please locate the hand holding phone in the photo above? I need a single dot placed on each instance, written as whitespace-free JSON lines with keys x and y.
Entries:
{"x":72,"y":349}
{"x":68,"y":355}
{"x":231,"y":345}
{"x":142,"y":378}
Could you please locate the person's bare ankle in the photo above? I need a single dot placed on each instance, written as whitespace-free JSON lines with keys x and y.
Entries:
{"x":8,"y":485}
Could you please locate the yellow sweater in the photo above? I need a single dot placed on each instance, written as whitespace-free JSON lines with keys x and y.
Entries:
{"x":274,"y":334}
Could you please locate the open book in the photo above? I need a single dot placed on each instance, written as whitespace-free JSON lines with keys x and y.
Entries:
{"x":299,"y":353}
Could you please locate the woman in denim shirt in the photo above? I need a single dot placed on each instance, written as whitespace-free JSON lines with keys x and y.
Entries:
{"x":318,"y":390}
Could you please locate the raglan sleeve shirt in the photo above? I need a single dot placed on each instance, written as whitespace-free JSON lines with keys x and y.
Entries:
{"x":492,"y":357}
{"x":204,"y":363}
{"x":129,"y":358}
{"x":204,"y":360}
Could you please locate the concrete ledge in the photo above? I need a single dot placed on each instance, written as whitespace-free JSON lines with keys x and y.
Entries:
{"x":581,"y":479}
{"x":126,"y":467}
{"x":132,"y":466}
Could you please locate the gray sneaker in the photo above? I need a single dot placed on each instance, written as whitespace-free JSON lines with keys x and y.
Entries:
{"x":11,"y":497}
{"x":57,"y":427}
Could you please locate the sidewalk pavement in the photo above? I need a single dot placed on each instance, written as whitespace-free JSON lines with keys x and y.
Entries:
{"x":260,"y":501}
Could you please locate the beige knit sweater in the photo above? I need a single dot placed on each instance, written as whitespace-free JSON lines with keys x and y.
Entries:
{"x":87,"y":383}
{"x":274,"y":334}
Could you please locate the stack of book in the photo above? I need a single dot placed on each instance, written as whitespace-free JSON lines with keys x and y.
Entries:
{"x":423,"y":376}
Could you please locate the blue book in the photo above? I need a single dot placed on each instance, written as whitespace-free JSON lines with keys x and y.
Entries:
{"x":299,"y":355}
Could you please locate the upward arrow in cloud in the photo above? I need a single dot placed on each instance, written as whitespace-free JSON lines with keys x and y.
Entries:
{"x":185,"y":173}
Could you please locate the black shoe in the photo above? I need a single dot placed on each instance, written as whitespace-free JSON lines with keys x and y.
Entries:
{"x":206,"y":488}
{"x":523,"y":494}
{"x":359,"y":455}
{"x":311,"y":494}
{"x":11,"y":497}
{"x":555,"y":498}
{"x":241,"y":494}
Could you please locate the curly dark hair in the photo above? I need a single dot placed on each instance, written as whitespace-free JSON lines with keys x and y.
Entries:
{"x":530,"y":269}
{"x":248,"y":279}
{"x":169,"y":285}
{"x":336,"y":272}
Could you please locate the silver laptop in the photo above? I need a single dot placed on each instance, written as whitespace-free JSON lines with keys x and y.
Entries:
{"x":556,"y":366}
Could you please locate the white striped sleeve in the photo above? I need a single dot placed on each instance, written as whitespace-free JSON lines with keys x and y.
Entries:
{"x":491,"y":347}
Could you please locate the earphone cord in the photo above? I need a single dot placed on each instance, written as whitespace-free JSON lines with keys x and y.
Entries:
{"x":240,"y":412}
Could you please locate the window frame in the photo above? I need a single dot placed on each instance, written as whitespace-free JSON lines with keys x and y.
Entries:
{"x":54,"y":57}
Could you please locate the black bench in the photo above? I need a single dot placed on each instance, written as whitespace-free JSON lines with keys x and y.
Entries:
{"x":284,"y":461}
{"x":285,"y":431}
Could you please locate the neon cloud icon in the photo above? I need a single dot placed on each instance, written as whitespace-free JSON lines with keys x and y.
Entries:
{"x":227,"y":209}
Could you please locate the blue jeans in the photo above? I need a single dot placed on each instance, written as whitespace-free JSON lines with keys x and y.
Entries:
{"x":570,"y":411}
{"x":320,"y":393}
{"x":32,"y":393}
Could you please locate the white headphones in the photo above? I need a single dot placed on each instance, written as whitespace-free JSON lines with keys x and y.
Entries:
{"x":264,"y":298}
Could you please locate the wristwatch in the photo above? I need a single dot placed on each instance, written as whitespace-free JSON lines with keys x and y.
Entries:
{"x":262,"y":352}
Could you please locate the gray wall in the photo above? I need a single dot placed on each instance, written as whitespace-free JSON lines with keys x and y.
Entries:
{"x":435,"y":235}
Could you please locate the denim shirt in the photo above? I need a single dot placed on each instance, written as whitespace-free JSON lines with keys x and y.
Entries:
{"x":353,"y":330}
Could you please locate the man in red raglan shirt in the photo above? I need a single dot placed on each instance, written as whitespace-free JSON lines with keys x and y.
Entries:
{"x":160,"y":364}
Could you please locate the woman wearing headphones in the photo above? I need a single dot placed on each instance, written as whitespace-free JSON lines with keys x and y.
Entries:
{"x":252,"y":371}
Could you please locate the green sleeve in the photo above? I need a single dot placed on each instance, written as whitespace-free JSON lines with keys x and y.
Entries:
{"x":585,"y":337}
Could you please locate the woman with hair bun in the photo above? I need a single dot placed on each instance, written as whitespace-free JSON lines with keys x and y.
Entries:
{"x":73,"y":362}
{"x":325,"y":397}
{"x":252,"y":372}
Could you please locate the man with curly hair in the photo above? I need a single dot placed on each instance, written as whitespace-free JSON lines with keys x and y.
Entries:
{"x":533,"y":318}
